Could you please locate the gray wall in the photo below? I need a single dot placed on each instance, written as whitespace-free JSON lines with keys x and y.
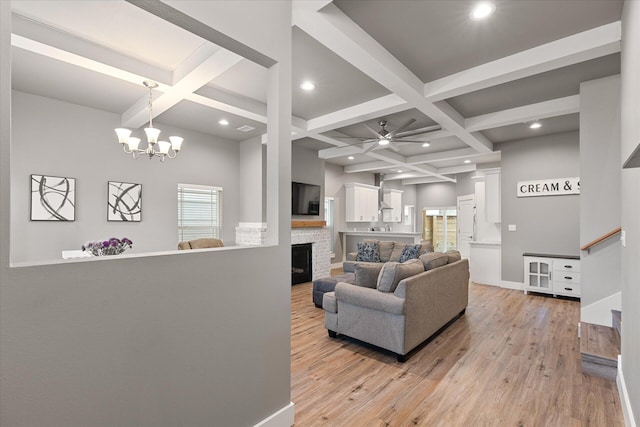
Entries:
{"x":252,"y":180}
{"x":630,"y":133}
{"x":182,"y":338}
{"x":440,"y":194}
{"x":544,"y":224}
{"x":308,"y":168}
{"x":81,"y":144}
{"x":465,"y":184}
{"x":600,"y":193}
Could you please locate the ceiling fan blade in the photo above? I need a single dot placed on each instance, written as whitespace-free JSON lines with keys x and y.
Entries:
{"x":422,"y":131}
{"x":402,"y":127}
{"x":394,"y":146}
{"x":375,"y":132}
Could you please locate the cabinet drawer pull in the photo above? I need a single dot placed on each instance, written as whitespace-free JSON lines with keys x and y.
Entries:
{"x":568,"y":277}
{"x":568,"y":289}
{"x":568,"y":266}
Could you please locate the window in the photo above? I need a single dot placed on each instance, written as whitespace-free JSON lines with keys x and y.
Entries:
{"x":439,"y":226}
{"x":199,"y":212}
{"x":328,"y":216}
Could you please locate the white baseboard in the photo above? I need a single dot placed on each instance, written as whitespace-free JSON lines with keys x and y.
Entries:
{"x":629,"y":419}
{"x":282,"y":418}
{"x":599,"y":312}
{"x":511,"y":285}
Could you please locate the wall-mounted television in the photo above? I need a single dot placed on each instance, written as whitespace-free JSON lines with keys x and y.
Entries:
{"x":305,"y":199}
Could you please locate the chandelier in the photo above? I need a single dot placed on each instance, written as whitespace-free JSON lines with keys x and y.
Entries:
{"x":155,"y":148}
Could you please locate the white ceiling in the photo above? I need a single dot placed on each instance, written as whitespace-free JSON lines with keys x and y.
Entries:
{"x":481,"y":82}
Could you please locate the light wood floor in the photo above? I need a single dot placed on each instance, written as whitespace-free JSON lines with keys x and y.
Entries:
{"x":511,"y":360}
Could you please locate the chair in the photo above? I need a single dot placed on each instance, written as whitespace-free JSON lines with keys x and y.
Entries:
{"x":207,"y":242}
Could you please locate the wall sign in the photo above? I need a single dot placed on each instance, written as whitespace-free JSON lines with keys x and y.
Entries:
{"x":549,"y":187}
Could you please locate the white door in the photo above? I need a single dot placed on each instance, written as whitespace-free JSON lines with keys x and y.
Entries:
{"x":466,"y":207}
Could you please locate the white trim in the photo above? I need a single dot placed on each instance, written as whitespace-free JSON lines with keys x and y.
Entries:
{"x":627,"y":410}
{"x":336,"y":265}
{"x":511,"y":285}
{"x":282,"y":418}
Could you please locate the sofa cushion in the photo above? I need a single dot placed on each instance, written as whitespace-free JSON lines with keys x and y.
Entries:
{"x":385,"y":248}
{"x":433,"y":260}
{"x":393,"y":272}
{"x":426,"y":246}
{"x":410,"y":252}
{"x":398,"y":247}
{"x":454,"y":256}
{"x":367,"y":274}
{"x":368,"y":251}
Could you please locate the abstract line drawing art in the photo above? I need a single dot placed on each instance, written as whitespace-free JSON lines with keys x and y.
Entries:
{"x":125,"y":201}
{"x":53,"y":198}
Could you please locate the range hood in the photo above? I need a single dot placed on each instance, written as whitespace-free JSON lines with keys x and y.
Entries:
{"x":382,"y":205}
{"x":379,"y":181}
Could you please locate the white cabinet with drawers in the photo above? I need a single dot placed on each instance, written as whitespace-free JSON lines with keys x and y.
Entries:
{"x":552,"y":274}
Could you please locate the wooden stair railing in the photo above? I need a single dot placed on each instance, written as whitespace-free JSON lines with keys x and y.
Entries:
{"x":600,"y":239}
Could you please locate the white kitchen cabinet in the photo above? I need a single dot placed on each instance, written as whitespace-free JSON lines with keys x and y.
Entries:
{"x":361,"y":202}
{"x":552,"y":274}
{"x":393,"y":198}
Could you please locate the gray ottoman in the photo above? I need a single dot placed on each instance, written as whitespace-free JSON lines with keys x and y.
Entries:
{"x":328,"y":284}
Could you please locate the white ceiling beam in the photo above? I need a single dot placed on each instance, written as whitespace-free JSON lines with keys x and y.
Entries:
{"x":425,"y":180}
{"x":194,"y":74}
{"x":570,"y":50}
{"x":461,"y":153}
{"x":400,"y":160}
{"x":64,"y":47}
{"x":369,"y":166}
{"x":457,"y":169}
{"x":82,"y":61}
{"x":367,"y":110}
{"x":337,"y":32}
{"x":526,"y":113}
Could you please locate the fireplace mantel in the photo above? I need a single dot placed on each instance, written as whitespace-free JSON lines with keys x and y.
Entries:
{"x":308,"y":224}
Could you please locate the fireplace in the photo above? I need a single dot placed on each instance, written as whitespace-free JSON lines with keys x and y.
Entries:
{"x":301,"y":264}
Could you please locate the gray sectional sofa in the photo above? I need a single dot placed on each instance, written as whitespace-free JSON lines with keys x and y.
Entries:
{"x":404,"y":307}
{"x":387,"y":251}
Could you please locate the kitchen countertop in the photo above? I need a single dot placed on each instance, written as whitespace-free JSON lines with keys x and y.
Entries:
{"x":485,"y":243}
{"x":388,"y":233}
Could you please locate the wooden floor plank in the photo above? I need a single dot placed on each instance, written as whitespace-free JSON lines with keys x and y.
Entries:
{"x":511,"y":360}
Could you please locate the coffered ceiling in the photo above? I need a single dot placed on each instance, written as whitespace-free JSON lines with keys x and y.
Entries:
{"x":470,"y":83}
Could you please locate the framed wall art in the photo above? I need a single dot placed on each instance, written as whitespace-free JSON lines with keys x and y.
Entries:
{"x":124,"y":201}
{"x":53,"y":198}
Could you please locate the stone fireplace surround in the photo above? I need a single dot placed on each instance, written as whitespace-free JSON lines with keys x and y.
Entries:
{"x":254,"y":234}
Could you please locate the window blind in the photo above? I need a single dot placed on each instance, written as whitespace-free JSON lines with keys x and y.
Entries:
{"x":199,"y":212}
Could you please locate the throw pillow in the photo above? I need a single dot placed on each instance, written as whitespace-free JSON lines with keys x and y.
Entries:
{"x":453,"y":256}
{"x":367,"y":274}
{"x":368,"y":252}
{"x":433,"y":260}
{"x":393,"y":272}
{"x":410,"y":252}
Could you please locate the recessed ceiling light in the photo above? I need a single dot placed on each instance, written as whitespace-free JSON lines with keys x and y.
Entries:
{"x":399,"y":171}
{"x":426,"y":144}
{"x":307,"y":85}
{"x":223,"y":122}
{"x":350,"y":157}
{"x":482,"y":10}
{"x":467,"y":161}
{"x":535,"y":125}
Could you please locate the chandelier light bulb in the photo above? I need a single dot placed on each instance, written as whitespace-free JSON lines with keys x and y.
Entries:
{"x":152,"y":134}
{"x":123,"y":135}
{"x":133,"y":143}
{"x":176,"y":142}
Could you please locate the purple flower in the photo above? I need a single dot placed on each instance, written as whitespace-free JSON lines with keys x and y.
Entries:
{"x":105,"y":243}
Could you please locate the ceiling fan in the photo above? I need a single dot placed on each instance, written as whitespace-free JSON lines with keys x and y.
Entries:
{"x":385,"y":137}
